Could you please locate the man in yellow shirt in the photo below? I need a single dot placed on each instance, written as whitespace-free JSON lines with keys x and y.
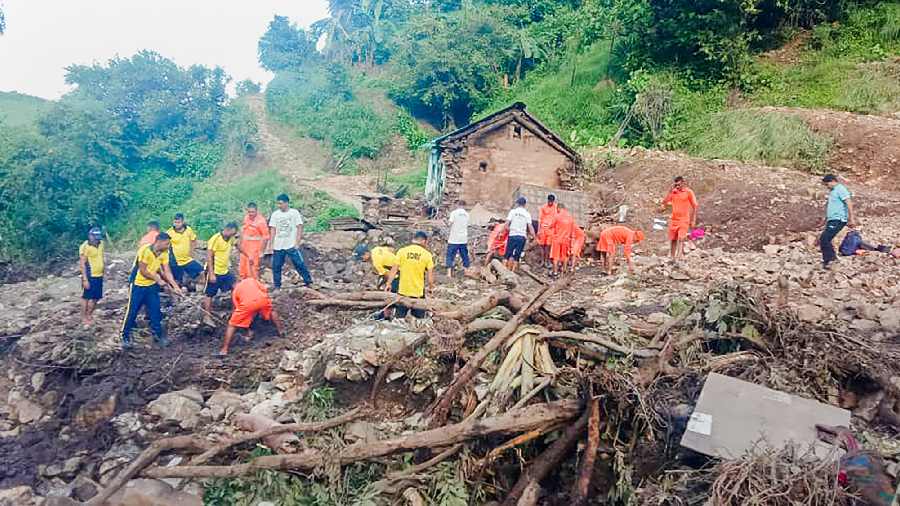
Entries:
{"x":414,"y":262}
{"x":90,"y":262}
{"x":152,"y":231}
{"x":184,"y":240}
{"x":218,"y":266}
{"x":150,"y":272}
{"x":382,"y":258}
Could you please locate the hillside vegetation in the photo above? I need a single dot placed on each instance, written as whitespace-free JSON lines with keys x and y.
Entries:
{"x":20,"y":110}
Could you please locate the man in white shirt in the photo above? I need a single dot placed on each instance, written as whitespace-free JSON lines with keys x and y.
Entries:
{"x":518,"y":221}
{"x":458,"y":238}
{"x":286,"y":230}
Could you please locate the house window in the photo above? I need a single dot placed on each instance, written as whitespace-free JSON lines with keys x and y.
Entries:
{"x":517,"y":132}
{"x":482,"y":166}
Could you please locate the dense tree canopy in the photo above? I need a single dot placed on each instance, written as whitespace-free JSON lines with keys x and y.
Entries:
{"x":285,"y":46}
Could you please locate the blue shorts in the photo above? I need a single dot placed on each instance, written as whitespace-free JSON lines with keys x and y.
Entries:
{"x":95,"y":289}
{"x":192,"y":269}
{"x":515,"y":246}
{"x":224,"y":283}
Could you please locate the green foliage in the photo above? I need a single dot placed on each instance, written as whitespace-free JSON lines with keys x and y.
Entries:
{"x":771,"y":138}
{"x":319,"y":102}
{"x":414,"y":181}
{"x":583,"y":110}
{"x":285,"y":46}
{"x":19,"y":110}
{"x":447,"y":487}
{"x":449,"y":65}
{"x":241,"y":131}
{"x":412,"y":133}
{"x":332,"y":211}
{"x":247,"y":87}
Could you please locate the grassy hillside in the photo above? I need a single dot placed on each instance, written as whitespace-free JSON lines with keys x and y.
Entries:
{"x":20,"y":110}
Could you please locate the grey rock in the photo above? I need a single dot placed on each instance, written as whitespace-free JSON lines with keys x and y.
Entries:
{"x":152,"y":493}
{"x":810,"y":313}
{"x":37,"y":381}
{"x":864,"y":325}
{"x":890,"y":319}
{"x":182,"y":407}
{"x":223,"y":404}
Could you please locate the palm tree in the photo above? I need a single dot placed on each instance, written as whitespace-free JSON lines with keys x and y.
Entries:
{"x":527,"y":48}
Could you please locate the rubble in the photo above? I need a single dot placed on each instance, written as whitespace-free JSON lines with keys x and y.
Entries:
{"x":182,"y":407}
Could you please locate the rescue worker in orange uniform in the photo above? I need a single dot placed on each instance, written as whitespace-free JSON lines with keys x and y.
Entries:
{"x":578,"y":240}
{"x":546,"y":219}
{"x":250,"y":298}
{"x":563,"y":233}
{"x":253,"y":241}
{"x":684,"y":215}
{"x":497,"y":243}
{"x":611,"y":238}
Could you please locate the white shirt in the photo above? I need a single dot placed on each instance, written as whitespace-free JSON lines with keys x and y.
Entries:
{"x":285,"y":224}
{"x":459,"y":227}
{"x":519,"y":219}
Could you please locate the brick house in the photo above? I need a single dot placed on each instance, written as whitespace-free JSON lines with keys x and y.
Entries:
{"x":487,"y":161}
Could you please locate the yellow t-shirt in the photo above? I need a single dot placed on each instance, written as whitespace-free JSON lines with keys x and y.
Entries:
{"x":222,"y":250}
{"x":413,"y":262}
{"x":383,"y":259}
{"x":181,"y":244}
{"x":154,"y":264}
{"x":94,"y":255}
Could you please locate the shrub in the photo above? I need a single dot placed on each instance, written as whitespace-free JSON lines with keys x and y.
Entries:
{"x":770,"y":138}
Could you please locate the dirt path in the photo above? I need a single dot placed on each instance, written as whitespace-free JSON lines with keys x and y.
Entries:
{"x":302,"y":160}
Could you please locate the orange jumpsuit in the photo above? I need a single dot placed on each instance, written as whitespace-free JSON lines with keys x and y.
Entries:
{"x":497,"y":239}
{"x":578,"y":239}
{"x":683,"y":202}
{"x":613,"y":236}
{"x":546,"y":220}
{"x":563,"y":231}
{"x":250,"y":298}
{"x":254,"y":232}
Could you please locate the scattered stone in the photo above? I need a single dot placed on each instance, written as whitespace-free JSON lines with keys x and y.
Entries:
{"x":92,"y":414}
{"x":222,"y":404}
{"x":657,"y":318}
{"x":360,"y":431}
{"x":152,"y":493}
{"x":810,"y":314}
{"x":117,"y":457}
{"x":26,"y":411}
{"x":182,"y":407}
{"x":17,"y":496}
{"x":867,"y":407}
{"x":890,"y":319}
{"x":127,"y":424}
{"x":864,"y":325}
{"x":37,"y":381}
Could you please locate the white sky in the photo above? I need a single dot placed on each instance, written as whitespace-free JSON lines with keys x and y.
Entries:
{"x":44,"y":36}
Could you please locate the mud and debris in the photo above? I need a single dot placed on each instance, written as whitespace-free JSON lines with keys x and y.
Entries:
{"x":592,"y":368}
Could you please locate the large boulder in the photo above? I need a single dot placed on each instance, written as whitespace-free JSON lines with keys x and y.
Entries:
{"x":143,"y":492}
{"x":222,"y":404}
{"x":182,"y":407}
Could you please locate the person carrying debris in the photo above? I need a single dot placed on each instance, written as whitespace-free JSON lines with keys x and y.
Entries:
{"x":414,"y":263}
{"x":497,"y":242}
{"x":253,"y":240}
{"x":458,"y":238}
{"x":91,"y":265}
{"x":184,"y":240}
{"x":518,"y":223}
{"x":684,"y":215}
{"x":609,"y":241}
{"x":150,"y":237}
{"x":250,"y":298}
{"x":286,"y":230}
{"x":150,"y":272}
{"x":563,"y":233}
{"x":546,"y":220}
{"x":853,"y":244}
{"x":383,"y":259}
{"x":839,"y":213}
{"x":218,"y":267}
{"x":578,"y":240}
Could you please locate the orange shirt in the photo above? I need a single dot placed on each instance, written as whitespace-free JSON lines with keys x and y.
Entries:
{"x":578,"y":239}
{"x":248,"y":293}
{"x":618,"y":234}
{"x":255,"y":229}
{"x":547,"y":215}
{"x":497,"y":239}
{"x":564,"y":227}
{"x":149,"y":238}
{"x":683,"y":202}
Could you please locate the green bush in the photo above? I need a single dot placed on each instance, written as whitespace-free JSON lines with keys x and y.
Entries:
{"x":414,"y":181}
{"x":753,"y":136}
{"x":320,"y":103}
{"x":411,"y":132}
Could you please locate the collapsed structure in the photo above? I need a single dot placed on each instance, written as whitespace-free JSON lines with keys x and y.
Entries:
{"x":487,"y":161}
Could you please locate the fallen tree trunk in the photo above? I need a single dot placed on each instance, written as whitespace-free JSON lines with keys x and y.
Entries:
{"x":583,"y":484}
{"x":477,"y":308}
{"x":549,"y":460}
{"x":506,"y":276}
{"x":518,"y":420}
{"x":146,"y":458}
{"x":441,"y":409}
{"x":349,"y":416}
